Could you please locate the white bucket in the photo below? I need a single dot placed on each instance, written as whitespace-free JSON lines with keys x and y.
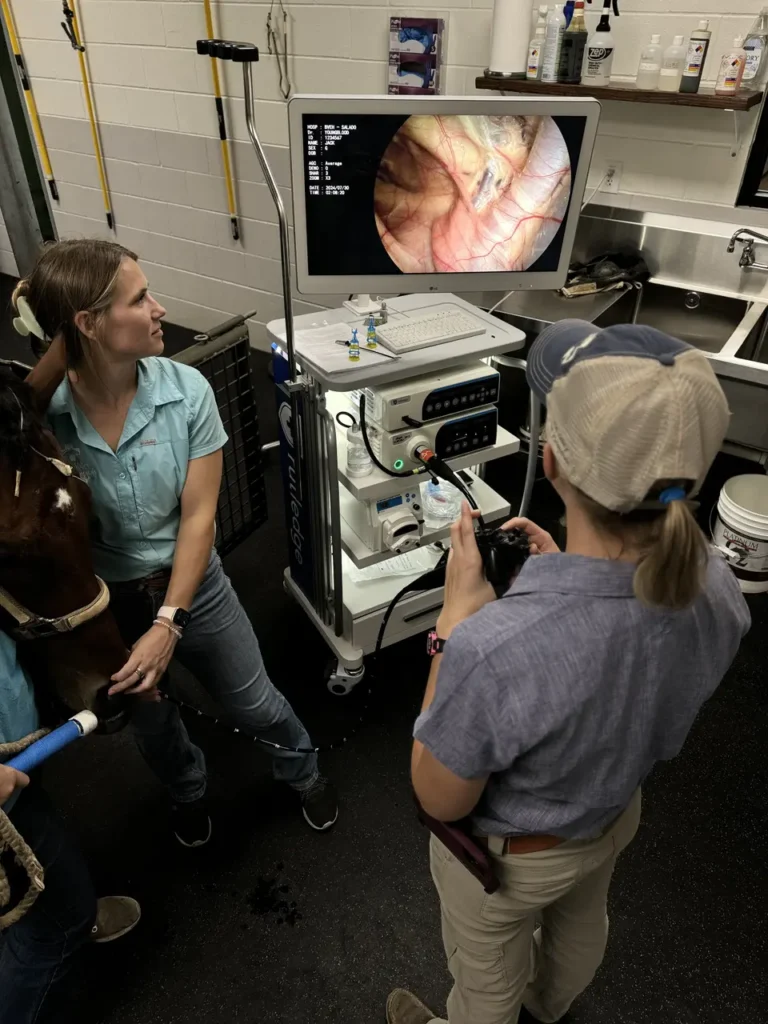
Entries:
{"x":741,"y":530}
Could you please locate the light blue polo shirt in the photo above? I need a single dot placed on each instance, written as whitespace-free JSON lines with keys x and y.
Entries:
{"x":18,"y":713}
{"x":137,"y":489}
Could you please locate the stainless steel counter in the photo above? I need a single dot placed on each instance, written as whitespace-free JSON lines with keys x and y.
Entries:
{"x":532,"y":311}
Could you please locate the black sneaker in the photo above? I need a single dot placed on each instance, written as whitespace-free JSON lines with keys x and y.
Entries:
{"x":320,"y":806}
{"x":190,"y":823}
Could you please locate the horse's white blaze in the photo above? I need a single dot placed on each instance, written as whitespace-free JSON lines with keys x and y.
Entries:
{"x":63,"y":501}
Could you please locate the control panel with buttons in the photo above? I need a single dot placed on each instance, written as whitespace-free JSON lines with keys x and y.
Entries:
{"x":431,"y":397}
{"x":448,"y":437}
{"x":457,"y":437}
{"x":470,"y":395}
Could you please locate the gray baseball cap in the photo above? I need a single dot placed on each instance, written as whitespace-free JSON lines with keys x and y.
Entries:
{"x":628,"y":409}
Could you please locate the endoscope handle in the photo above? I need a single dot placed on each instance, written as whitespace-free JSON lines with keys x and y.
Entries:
{"x":224,"y":49}
{"x":79,"y":725}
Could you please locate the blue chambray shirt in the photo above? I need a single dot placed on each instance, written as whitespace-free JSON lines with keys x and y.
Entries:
{"x":568,"y":690}
{"x":18,"y":713}
{"x":137,"y":489}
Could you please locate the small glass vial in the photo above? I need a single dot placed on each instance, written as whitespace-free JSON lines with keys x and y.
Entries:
{"x":358,"y":460}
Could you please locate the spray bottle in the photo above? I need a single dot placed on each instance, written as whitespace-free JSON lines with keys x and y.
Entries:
{"x":553,"y":45}
{"x":599,"y":60}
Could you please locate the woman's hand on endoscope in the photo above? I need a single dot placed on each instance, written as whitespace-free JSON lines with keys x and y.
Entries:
{"x":466,"y":588}
{"x":541,"y":542}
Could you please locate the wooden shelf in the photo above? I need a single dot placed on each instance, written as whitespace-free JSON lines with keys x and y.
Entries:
{"x":744,"y":99}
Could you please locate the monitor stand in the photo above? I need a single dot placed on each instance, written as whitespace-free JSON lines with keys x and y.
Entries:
{"x":363,"y":304}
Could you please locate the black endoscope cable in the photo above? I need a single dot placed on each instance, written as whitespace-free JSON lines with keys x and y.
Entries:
{"x":435,"y":466}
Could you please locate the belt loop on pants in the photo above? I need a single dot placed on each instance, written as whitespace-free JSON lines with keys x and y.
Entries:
{"x":502,"y":846}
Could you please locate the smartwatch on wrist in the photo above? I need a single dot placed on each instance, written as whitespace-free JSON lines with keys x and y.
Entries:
{"x":435,"y":645}
{"x":178,"y":616}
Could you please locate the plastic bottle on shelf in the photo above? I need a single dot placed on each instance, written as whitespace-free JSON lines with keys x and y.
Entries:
{"x":756,"y":45}
{"x":696,"y":58}
{"x":731,"y":69}
{"x":672,"y":66}
{"x":442,"y":500}
{"x":553,"y":44}
{"x":358,"y":460}
{"x":536,"y":46}
{"x":599,"y":58}
{"x":574,"y":44}
{"x":649,"y":69}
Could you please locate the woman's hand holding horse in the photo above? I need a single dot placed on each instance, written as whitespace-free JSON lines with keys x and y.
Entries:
{"x":150,"y":657}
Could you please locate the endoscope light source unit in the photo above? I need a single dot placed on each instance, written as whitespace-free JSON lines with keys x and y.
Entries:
{"x":437,"y":194}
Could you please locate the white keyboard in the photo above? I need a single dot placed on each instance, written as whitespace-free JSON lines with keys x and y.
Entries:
{"x":403,"y":336}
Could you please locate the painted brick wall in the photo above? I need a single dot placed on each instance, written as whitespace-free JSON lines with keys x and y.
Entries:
{"x":154,"y":101}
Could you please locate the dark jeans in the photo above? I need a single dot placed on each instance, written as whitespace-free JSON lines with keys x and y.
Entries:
{"x":37,"y":951}
{"x":220,"y":649}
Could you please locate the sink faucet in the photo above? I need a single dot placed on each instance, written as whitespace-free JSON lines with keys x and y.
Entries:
{"x":748,"y":237}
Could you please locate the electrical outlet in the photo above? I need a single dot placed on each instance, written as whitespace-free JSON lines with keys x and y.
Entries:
{"x":612,"y":179}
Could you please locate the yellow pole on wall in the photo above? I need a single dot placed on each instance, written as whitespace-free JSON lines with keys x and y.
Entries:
{"x":34,"y":117}
{"x":225,"y":155}
{"x":72,"y":32}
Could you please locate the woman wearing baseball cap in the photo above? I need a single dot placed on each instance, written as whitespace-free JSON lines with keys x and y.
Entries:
{"x":549,"y":707}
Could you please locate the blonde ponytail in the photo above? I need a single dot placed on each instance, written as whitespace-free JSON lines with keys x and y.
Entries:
{"x":671,"y":573}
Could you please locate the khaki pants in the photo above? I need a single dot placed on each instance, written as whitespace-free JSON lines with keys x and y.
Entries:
{"x":540,"y":938}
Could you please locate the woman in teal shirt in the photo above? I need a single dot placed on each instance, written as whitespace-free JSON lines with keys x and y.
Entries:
{"x":146,"y":435}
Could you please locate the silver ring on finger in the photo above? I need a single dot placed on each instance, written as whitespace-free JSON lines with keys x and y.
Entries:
{"x":140,"y":674}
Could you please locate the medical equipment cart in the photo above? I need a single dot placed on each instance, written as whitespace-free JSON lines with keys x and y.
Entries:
{"x":320,"y":496}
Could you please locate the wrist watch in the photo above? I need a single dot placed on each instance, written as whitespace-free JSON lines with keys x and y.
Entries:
{"x":178,"y":616}
{"x":435,"y":644}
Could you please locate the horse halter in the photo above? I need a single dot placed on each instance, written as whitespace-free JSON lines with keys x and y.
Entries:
{"x":37,"y":627}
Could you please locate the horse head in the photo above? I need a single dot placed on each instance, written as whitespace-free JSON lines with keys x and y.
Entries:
{"x":46,"y":571}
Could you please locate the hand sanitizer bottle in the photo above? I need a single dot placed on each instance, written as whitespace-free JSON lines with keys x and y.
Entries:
{"x":649,"y":70}
{"x":731,"y":69}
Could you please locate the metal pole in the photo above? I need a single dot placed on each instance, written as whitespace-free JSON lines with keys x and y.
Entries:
{"x":34,"y":117}
{"x":16,"y":200}
{"x":225,"y":157}
{"x":282,"y":220}
{"x":533,"y":454}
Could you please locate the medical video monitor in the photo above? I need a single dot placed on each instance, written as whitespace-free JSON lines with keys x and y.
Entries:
{"x":437,"y":194}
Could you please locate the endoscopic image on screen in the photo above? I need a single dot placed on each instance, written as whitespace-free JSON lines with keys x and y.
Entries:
{"x":472,"y":193}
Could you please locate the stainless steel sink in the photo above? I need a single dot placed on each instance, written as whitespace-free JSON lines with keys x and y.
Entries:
{"x":706,"y":321}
